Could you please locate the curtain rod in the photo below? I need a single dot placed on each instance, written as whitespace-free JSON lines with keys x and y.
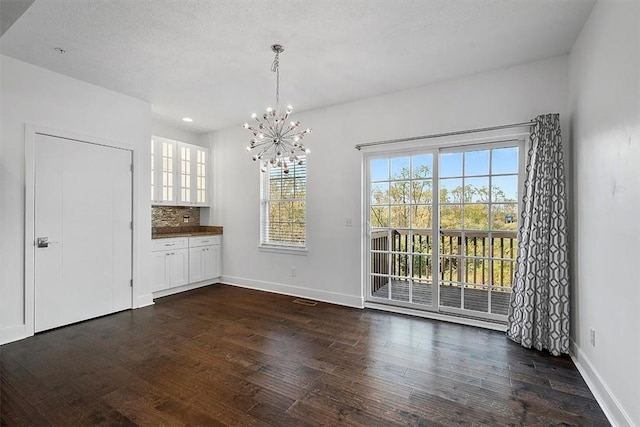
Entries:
{"x":438,"y":135}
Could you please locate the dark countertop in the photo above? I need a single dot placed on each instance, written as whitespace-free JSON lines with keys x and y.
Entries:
{"x":185,"y":231}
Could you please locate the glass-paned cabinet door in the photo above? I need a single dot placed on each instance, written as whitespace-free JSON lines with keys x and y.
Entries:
{"x":201,"y":176}
{"x":193,"y":175}
{"x":185,"y":174}
{"x":163,"y":170}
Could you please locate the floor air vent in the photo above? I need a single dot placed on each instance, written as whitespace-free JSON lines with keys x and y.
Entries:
{"x":305,"y":302}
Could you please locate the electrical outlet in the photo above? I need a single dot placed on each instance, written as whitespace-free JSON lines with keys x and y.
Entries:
{"x":593,"y":337}
{"x":293,"y":272}
{"x":348,"y":222}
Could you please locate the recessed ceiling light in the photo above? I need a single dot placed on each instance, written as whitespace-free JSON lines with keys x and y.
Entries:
{"x":187,"y":119}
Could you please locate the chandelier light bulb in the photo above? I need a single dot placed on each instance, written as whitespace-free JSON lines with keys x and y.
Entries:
{"x":274,"y":141}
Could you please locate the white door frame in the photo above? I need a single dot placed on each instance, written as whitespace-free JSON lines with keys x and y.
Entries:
{"x":29,"y":221}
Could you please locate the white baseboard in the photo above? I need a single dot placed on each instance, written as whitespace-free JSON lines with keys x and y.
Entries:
{"x":611,"y":407}
{"x":171,"y":291}
{"x":13,"y":333}
{"x":279,"y":288}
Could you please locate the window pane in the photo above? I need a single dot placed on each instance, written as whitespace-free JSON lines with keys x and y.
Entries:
{"x":421,"y":191}
{"x":400,"y":168}
{"x":379,"y":262}
{"x":399,"y":193}
{"x":505,"y":245}
{"x":379,"y":170}
{"x":422,"y":166}
{"x":504,"y":160}
{"x":476,"y":217}
{"x":422,"y":216}
{"x":504,"y":216}
{"x":476,"y":190}
{"x":476,"y":244}
{"x":476,"y":162}
{"x":450,"y":243}
{"x":477,"y":271}
{"x":380,"y":193}
{"x":399,"y":216}
{"x":450,"y":164}
{"x":504,"y":188}
{"x":421,"y":267}
{"x":422,"y":242}
{"x":451,"y":190}
{"x":450,"y":295}
{"x":476,"y":298}
{"x":502,"y":273}
{"x":451,"y":217}
{"x":379,"y":216}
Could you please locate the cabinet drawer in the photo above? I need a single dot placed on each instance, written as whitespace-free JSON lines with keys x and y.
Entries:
{"x":168,"y":244}
{"x":195,"y":242}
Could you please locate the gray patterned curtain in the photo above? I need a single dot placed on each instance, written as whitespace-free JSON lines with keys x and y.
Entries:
{"x":539,"y":307}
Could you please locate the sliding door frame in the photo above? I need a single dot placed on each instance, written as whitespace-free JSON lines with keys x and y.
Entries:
{"x":434,"y":147}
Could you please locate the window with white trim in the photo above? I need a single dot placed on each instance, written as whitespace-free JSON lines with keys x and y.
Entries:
{"x":283,"y":209}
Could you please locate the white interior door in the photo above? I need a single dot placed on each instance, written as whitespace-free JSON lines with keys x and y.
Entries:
{"x":83,"y":206}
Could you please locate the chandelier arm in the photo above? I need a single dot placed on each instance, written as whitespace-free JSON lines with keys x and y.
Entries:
{"x":265,"y":150}
{"x":287,"y":132}
{"x":267,"y":122}
{"x":260,"y":145}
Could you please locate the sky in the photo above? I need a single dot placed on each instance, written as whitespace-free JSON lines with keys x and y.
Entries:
{"x":474,"y":166}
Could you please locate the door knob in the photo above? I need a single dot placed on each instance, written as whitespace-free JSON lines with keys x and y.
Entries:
{"x":43,"y":242}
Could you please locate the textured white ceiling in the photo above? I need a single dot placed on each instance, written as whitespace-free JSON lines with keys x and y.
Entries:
{"x":210,"y":60}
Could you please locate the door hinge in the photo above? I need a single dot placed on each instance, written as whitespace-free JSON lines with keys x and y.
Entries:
{"x":131,"y":167}
{"x":131,"y":225}
{"x":131,"y":283}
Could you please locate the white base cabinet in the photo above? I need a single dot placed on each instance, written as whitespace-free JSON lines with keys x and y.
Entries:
{"x":184,"y":261}
{"x":170,"y":263}
{"x":204,"y":258}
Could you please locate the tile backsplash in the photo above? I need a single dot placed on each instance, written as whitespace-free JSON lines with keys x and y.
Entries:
{"x":174,"y":216}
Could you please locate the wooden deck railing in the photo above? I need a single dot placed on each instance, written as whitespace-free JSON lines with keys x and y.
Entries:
{"x":477,"y":248}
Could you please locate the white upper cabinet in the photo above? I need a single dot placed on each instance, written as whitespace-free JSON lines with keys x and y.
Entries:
{"x":193,"y":175}
{"x":178,"y":173}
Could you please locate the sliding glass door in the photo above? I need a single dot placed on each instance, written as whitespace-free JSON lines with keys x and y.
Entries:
{"x":401,"y":221}
{"x":466,"y":266}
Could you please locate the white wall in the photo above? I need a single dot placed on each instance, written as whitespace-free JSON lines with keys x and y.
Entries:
{"x":177,"y":134}
{"x":35,"y":96}
{"x":604,"y":100}
{"x":332,"y":268}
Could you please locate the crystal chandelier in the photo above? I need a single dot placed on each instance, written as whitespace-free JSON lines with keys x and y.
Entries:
{"x":276,"y":142}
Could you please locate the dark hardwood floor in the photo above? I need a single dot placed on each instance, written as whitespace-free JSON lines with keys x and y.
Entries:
{"x":223,"y":355}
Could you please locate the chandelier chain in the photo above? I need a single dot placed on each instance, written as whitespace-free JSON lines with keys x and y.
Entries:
{"x":276,"y":68}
